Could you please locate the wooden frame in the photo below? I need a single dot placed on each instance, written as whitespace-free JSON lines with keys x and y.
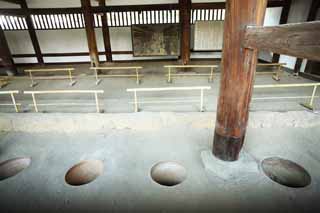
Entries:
{"x":170,"y":75}
{"x":69,"y":70}
{"x":136,"y":90}
{"x":35,"y":104}
{"x":135,"y":68}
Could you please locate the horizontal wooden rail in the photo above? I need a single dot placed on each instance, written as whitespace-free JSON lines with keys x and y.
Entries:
{"x":169,"y":67}
{"x":14,"y":103}
{"x":300,"y":40}
{"x":133,"y":68}
{"x":33,"y":83}
{"x":35,"y":104}
{"x":271,"y":64}
{"x":307,"y":105}
{"x":136,"y":90}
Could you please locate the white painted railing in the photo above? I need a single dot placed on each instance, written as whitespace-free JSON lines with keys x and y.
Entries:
{"x":136,"y":90}
{"x":14,"y":103}
{"x":307,"y":105}
{"x":35,"y":104}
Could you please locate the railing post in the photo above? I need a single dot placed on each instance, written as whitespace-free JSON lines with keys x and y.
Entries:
{"x":169,"y":75}
{"x":34,"y":102}
{"x":135,"y":102}
{"x":137,"y":73}
{"x":72,"y":82}
{"x":211,"y":75}
{"x":32,"y":82}
{"x":97,"y":77}
{"x":313,"y":94}
{"x":201,"y":101}
{"x":97,"y":102}
{"x":14,"y":102}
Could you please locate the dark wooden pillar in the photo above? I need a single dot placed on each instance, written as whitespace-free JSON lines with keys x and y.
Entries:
{"x":185,"y":11}
{"x":91,"y":35}
{"x":311,"y":17}
{"x":106,"y":33}
{"x":5,"y":55}
{"x":237,"y":77}
{"x":32,"y":32}
{"x":283,"y":20}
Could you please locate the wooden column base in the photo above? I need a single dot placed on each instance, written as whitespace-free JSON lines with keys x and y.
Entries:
{"x":227,"y":148}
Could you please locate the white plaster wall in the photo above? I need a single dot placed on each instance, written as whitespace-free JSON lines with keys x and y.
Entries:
{"x":53,"y":3}
{"x":120,"y":38}
{"x":8,"y":5}
{"x":19,"y":42}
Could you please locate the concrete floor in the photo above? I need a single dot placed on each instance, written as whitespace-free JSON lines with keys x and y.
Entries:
{"x":129,"y":144}
{"x":117,"y":100}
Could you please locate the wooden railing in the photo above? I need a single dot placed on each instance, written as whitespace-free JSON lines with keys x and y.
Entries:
{"x":136,"y":90}
{"x":170,"y":74}
{"x":135,"y":69}
{"x":14,"y":103}
{"x":35,"y":104}
{"x":68,"y":70}
{"x":276,"y":74}
{"x":307,"y":105}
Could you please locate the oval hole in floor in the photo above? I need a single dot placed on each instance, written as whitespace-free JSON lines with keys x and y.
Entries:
{"x":12,"y":167}
{"x":168,"y":173}
{"x":285,"y":172}
{"x":84,"y":172}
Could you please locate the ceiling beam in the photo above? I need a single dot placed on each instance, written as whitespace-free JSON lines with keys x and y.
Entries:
{"x":298,"y":40}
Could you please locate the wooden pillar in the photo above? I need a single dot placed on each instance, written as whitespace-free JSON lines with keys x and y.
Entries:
{"x":106,"y":33}
{"x":5,"y":54}
{"x":237,"y":77}
{"x":185,"y":11}
{"x":32,"y":32}
{"x":283,"y":20}
{"x":91,"y":35}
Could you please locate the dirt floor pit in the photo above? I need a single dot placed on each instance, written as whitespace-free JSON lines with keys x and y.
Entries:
{"x":168,"y":173}
{"x":12,"y":167}
{"x":84,"y":172}
{"x":286,"y":172}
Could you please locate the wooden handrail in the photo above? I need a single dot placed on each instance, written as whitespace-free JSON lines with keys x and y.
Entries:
{"x":14,"y":103}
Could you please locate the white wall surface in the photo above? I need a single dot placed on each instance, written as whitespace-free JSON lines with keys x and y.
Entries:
{"x":8,"y":5}
{"x":19,"y":42}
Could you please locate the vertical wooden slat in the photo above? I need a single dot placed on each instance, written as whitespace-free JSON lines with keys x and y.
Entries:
{"x":238,"y":65}
{"x":91,"y":35}
{"x":185,"y":7}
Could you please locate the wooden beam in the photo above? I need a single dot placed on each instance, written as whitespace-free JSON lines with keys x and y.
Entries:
{"x":238,"y":65}
{"x":315,"y":5}
{"x":91,"y":35}
{"x":6,"y":60}
{"x":32,"y":33}
{"x":106,"y":33}
{"x":185,"y":15}
{"x":283,"y":20}
{"x":298,"y":40}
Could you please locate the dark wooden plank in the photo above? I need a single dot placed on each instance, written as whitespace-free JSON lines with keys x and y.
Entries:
{"x":91,"y":35}
{"x":298,"y":40}
{"x":106,"y":33}
{"x":185,"y":15}
{"x":283,"y":20}
{"x":238,"y":65}
{"x":32,"y":33}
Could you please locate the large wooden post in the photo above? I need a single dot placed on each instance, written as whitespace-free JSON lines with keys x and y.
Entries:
{"x":32,"y":32}
{"x":185,"y":11}
{"x":5,"y":54}
{"x":91,"y":35}
{"x":237,"y":77}
{"x":106,"y":33}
